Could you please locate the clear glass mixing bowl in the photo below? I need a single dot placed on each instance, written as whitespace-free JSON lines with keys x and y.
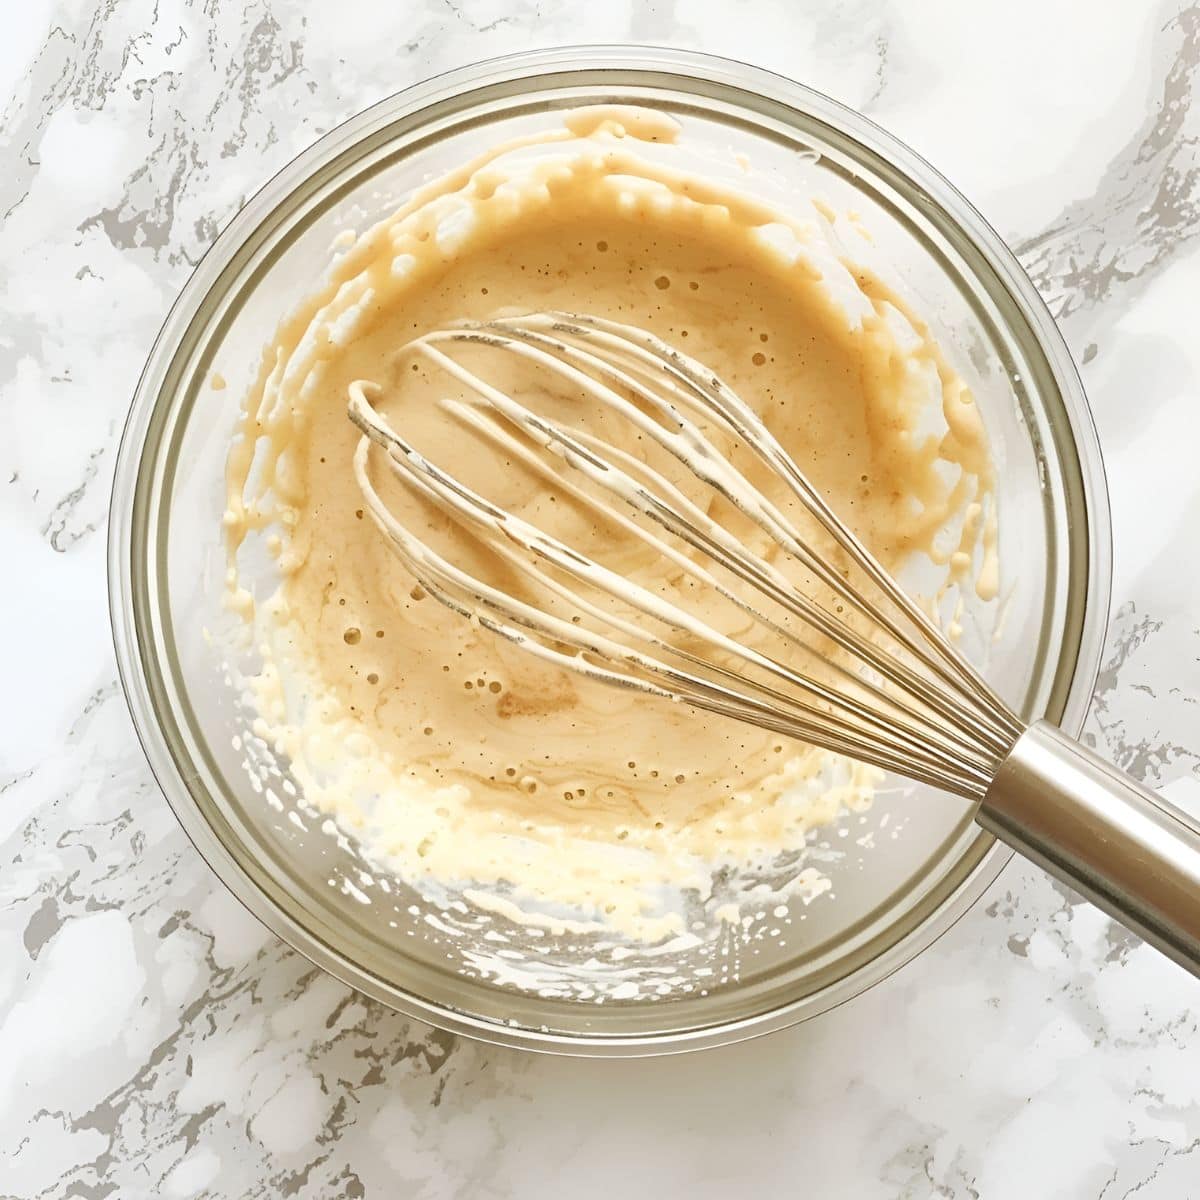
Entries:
{"x":902,"y":874}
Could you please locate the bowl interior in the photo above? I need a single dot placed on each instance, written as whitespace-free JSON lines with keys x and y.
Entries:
{"x":897,"y":870}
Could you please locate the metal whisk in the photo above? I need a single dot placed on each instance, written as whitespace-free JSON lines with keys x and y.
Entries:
{"x":842,"y":657}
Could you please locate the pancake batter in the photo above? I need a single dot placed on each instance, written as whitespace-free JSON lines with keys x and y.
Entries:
{"x":455,"y":757}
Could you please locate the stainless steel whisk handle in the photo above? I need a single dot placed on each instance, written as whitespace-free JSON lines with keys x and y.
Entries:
{"x":1131,"y":854}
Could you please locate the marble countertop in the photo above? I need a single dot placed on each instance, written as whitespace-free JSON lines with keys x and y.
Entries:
{"x":156,"y":1041}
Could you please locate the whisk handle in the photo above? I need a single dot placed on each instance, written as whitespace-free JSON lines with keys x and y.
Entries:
{"x":1088,"y":824}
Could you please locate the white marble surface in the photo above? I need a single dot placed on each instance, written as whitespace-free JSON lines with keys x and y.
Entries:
{"x":155,"y":1041}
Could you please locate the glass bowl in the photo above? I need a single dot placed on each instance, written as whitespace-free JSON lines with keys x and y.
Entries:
{"x":901,"y":874}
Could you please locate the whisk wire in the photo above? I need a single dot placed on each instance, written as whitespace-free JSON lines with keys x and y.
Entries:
{"x":895,"y":735}
{"x":940,"y":723}
{"x":975,"y":722}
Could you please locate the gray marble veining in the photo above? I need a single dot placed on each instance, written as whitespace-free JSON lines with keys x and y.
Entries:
{"x":155,"y":1041}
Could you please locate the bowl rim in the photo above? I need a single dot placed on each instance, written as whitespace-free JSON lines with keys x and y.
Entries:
{"x":131,"y":654}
